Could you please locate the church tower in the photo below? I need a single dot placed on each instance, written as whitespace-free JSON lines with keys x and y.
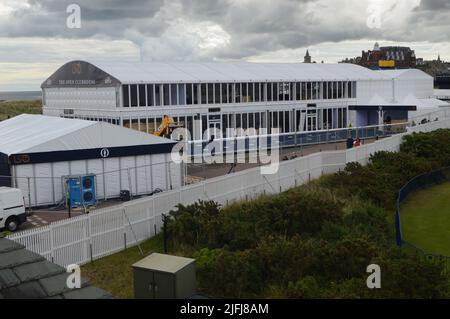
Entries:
{"x":307,"y":57}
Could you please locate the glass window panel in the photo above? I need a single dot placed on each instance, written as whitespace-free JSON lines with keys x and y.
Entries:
{"x":125,"y":96}
{"x":173,"y":94}
{"x":150,"y":101}
{"x":196,"y":89}
{"x":134,"y":95}
{"x":217,"y":93}
{"x":269,"y":92}
{"x":157,"y":94}
{"x":142,"y":97}
{"x":237,"y":92}
{"x":257,"y":92}
{"x":210,"y":93}
{"x":189,"y":99}
{"x":224,"y":93}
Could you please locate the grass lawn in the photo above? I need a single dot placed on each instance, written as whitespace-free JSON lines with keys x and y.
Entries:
{"x":13,"y":108}
{"x":426,"y":219}
{"x":114,"y":273}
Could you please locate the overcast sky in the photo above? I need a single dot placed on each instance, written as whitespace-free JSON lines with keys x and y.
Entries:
{"x":35,"y":39}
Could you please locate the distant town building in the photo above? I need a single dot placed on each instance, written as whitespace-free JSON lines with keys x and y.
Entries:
{"x":388,"y":57}
{"x":307,"y":58}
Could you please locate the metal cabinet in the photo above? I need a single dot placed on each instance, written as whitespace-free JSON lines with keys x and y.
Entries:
{"x":160,"y":276}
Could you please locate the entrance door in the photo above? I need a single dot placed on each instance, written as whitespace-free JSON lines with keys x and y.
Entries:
{"x":312,"y":121}
{"x":214,"y":130}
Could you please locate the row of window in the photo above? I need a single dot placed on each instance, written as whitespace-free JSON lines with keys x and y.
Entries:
{"x":135,"y":95}
{"x":284,"y":121}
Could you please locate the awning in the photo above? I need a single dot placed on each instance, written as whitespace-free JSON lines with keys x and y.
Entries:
{"x":383,"y":107}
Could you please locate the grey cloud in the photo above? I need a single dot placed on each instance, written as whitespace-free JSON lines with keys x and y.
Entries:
{"x":255,"y":27}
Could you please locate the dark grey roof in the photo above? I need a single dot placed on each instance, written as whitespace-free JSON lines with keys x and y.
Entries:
{"x":24,"y":275}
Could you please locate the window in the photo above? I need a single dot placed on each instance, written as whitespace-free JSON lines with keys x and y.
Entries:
{"x":285,"y":92}
{"x":245,"y":121}
{"x":189,"y":99}
{"x":275,"y":91}
{"x":257,"y":97}
{"x":237,"y":92}
{"x":134,"y":95}
{"x":150,"y":97}
{"x":269,"y":92}
{"x":173,"y":94}
{"x":224,"y":93}
{"x":230,"y":92}
{"x":196,"y":89}
{"x":339,"y":90}
{"x":203,"y":93}
{"x":287,"y":126}
{"x":251,"y":92}
{"x":143,"y":125}
{"x":308,"y":90}
{"x":142,"y":100}
{"x":210,"y":93}
{"x":297,"y":91}
{"x":354,"y":89}
{"x":182,"y":94}
{"x":251,"y":120}
{"x":238,"y":120}
{"x":126,"y":96}
{"x":314,"y":90}
{"x":244,"y":98}
{"x":303,"y":90}
{"x":335,"y":90}
{"x":166,"y":94}
{"x":292,"y":91}
{"x":217,"y":93}
{"x":157,"y":94}
{"x":330,"y":90}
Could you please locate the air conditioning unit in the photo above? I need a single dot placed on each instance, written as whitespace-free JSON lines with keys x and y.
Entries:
{"x":80,"y":191}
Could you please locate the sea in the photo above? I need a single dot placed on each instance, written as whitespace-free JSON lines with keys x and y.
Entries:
{"x":20,"y":96}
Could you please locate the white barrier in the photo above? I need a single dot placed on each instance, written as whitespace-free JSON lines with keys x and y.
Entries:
{"x":106,"y":231}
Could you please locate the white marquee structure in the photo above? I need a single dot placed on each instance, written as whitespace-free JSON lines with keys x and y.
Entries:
{"x":38,"y":151}
{"x":291,"y":97}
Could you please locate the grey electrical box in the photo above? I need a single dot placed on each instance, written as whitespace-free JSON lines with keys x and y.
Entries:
{"x":160,"y":276}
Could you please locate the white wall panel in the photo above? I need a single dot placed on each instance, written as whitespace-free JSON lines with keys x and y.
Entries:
{"x":159,"y":171}
{"x":24,"y":171}
{"x":44,"y":184}
{"x":141,"y":174}
{"x":112,"y":177}
{"x":78,"y":168}
{"x":128,"y":174}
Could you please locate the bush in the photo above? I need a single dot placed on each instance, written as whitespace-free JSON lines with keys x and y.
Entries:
{"x":432,"y":146}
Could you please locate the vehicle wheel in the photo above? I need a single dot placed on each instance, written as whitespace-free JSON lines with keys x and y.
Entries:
{"x":12,"y":223}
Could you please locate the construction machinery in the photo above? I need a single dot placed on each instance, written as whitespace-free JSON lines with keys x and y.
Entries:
{"x":167,"y":126}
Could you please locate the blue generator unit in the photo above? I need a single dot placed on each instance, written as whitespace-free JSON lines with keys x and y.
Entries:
{"x":81,"y":191}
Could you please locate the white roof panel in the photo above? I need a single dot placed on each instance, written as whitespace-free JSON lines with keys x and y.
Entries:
{"x":173,"y":72}
{"x":38,"y":133}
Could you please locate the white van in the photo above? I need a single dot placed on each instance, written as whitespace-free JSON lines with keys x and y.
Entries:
{"x":12,"y":208}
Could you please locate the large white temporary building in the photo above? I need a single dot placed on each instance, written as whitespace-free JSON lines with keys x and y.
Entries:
{"x":37,"y":152}
{"x":202,"y":96}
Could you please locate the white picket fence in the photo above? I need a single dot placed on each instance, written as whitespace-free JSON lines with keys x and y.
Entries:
{"x":106,"y":231}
